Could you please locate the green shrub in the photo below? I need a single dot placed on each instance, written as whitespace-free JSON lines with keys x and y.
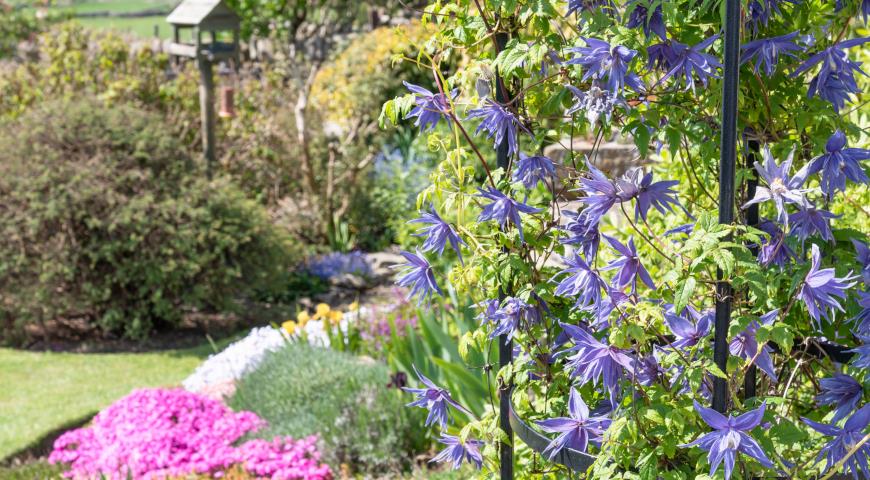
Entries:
{"x":302,"y":390}
{"x":105,"y":218}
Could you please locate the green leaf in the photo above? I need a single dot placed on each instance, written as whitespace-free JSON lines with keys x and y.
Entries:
{"x":684,"y":294}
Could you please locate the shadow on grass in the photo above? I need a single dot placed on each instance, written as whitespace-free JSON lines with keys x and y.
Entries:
{"x":42,"y":446}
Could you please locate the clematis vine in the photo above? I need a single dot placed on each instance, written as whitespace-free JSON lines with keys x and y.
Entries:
{"x":842,"y":391}
{"x":595,"y":102}
{"x":639,"y":186}
{"x":503,"y":209}
{"x":435,"y":399}
{"x":650,"y":22}
{"x":774,"y":250}
{"x":835,"y":81}
{"x":593,"y":360}
{"x":685,"y":63}
{"x":601,"y":194}
{"x":438,"y":233}
{"x":729,"y":437}
{"x":809,"y":221}
{"x":602,"y":61}
{"x":458,"y":451}
{"x":576,"y":430}
{"x":582,"y":233}
{"x":511,"y":314}
{"x":579,"y":282}
{"x":862,"y":256}
{"x":418,"y":275}
{"x":688,"y":332}
{"x":845,"y":439}
{"x":499,"y":123}
{"x":533,"y":170}
{"x":630,"y":268}
{"x":745,"y":345}
{"x":766,"y":51}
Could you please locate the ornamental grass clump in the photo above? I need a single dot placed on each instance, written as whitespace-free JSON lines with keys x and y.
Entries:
{"x":158,"y":433}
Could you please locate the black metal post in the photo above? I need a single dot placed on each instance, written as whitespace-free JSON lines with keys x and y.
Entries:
{"x":728,"y":149}
{"x":749,"y":381}
{"x":505,"y":346}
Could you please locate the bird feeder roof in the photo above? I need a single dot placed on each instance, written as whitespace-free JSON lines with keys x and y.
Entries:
{"x":205,"y":15}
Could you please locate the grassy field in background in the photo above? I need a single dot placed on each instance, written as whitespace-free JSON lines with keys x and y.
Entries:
{"x":43,"y":392}
{"x":139,"y":26}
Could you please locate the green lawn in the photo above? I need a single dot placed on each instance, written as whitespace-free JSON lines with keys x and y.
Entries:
{"x":140,"y":26}
{"x":43,"y":392}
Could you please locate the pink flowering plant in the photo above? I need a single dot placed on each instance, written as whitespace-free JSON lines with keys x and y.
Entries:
{"x":159,"y":433}
{"x":603,"y":277}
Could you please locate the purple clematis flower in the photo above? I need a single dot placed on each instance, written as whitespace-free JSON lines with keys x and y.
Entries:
{"x":600,"y":60}
{"x":767,"y":51}
{"x":760,"y":12}
{"x":634,"y":184}
{"x":533,"y":170}
{"x":810,"y":220}
{"x":430,"y":107}
{"x":433,"y":398}
{"x":821,"y":287}
{"x":648,"y":371}
{"x":628,"y":264}
{"x":488,"y":311}
{"x":576,"y":6}
{"x":511,"y":314}
{"x":684,"y":229}
{"x":687,"y":62}
{"x":458,"y":451}
{"x":843,"y":391}
{"x":835,"y":81}
{"x":601,"y":194}
{"x":580,"y":281}
{"x":661,"y":56}
{"x":730,"y":437}
{"x":437,"y":233}
{"x":862,"y":353}
{"x":650,"y":22}
{"x":844,"y":440}
{"x":774,"y":251}
{"x":862,"y":321}
{"x":595,"y":102}
{"x":745,"y":345}
{"x":593,"y":360}
{"x":503,"y":209}
{"x":499,"y":122}
{"x":781,"y":187}
{"x":862,"y":256}
{"x":418,"y":275}
{"x":583,"y":233}
{"x":576,"y":430}
{"x":688,"y":332}
{"x":838,"y":164}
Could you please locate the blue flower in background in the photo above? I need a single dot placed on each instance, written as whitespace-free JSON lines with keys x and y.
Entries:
{"x":839,"y":163}
{"x":842,"y":391}
{"x":781,"y":187}
{"x":576,"y":430}
{"x":628,"y":264}
{"x":810,"y":220}
{"x":458,"y":451}
{"x":650,"y":22}
{"x":580,"y":281}
{"x":745,"y":345}
{"x":582,"y":233}
{"x":844,"y":440}
{"x":766,"y":51}
{"x":821,"y":288}
{"x":686,"y":63}
{"x":634,"y":184}
{"x":499,"y":123}
{"x":775,"y":250}
{"x":601,"y":61}
{"x":836,"y":78}
{"x":430,"y":107}
{"x":419,"y":276}
{"x":532,"y":170}
{"x":729,"y":436}
{"x":433,"y":398}
{"x":601,"y":194}
{"x":593,"y":360}
{"x":760,"y":12}
{"x":437,"y":233}
{"x":334,"y":264}
{"x":503,"y":209}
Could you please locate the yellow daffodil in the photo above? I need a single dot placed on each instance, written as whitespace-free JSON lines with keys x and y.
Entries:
{"x":321,"y":311}
{"x":289,"y":326}
{"x":303,"y":318}
{"x":335,"y":316}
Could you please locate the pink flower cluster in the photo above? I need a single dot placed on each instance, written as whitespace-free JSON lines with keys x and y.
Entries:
{"x":157,"y":433}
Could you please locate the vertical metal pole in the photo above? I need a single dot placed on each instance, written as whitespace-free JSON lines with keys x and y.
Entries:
{"x":749,"y":381}
{"x":505,"y":346}
{"x":728,"y":149}
{"x":206,"y":105}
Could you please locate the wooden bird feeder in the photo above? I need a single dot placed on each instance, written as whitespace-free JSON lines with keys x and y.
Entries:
{"x":201,"y":17}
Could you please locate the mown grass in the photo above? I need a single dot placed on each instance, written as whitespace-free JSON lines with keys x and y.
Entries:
{"x":43,"y":392}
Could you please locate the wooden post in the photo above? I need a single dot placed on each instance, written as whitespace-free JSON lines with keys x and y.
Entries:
{"x":206,"y":107}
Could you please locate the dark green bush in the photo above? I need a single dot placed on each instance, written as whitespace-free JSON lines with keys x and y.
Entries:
{"x":105,"y":218}
{"x":302,"y":390}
